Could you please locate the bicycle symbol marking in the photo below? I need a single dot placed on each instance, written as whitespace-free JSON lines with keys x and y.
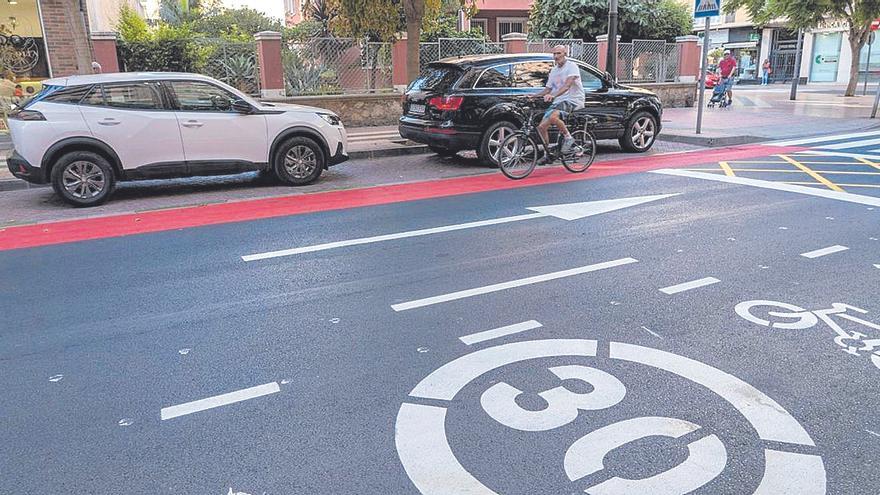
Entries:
{"x":852,"y":342}
{"x":431,"y":464}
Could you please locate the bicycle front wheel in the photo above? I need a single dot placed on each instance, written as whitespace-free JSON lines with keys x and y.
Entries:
{"x":582,"y":153}
{"x":517,"y":156}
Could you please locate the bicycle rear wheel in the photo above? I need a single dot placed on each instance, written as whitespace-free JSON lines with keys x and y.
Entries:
{"x":517,"y":156}
{"x":582,"y":153}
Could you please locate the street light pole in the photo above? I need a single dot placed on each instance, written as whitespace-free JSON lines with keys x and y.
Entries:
{"x":797,"y":65}
{"x":611,"y":57}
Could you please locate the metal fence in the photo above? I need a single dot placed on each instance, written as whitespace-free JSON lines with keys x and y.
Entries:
{"x":235,"y":63}
{"x":336,"y":66}
{"x":456,"y":47}
{"x":647,"y":61}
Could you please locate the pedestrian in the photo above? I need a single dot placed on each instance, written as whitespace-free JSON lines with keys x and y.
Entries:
{"x":96,"y":68}
{"x":727,"y":66}
{"x":765,"y":80}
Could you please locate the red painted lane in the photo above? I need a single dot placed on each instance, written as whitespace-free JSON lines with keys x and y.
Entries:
{"x":157,"y":221}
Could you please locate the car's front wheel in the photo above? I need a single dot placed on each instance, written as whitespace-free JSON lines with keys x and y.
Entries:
{"x":640,"y":134}
{"x":299,"y":161}
{"x":83,"y":178}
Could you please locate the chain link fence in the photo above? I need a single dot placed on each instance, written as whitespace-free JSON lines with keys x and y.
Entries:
{"x":647,"y":61}
{"x":336,"y":66}
{"x":455,"y":47}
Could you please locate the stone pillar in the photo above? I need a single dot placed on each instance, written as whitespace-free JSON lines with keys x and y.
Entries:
{"x":398,"y":63}
{"x":514,"y":43}
{"x":602,"y":41}
{"x":271,"y":69}
{"x":104,"y":46}
{"x":689,"y":53}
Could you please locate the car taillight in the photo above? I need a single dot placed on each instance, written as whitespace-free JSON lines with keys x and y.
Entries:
{"x":26,"y":115}
{"x":445,"y":103}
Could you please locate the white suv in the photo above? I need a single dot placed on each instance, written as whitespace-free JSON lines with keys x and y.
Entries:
{"x":85,"y":133}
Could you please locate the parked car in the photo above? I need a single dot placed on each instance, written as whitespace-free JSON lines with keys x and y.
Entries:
{"x":83,"y":134}
{"x":475,"y":102}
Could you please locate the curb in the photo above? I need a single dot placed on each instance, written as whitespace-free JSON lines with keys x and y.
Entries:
{"x":712,"y":142}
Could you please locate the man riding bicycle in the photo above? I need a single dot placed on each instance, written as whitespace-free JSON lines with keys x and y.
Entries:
{"x":565,"y":93}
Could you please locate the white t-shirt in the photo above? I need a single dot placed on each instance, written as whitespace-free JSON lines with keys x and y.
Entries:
{"x":558,"y":76}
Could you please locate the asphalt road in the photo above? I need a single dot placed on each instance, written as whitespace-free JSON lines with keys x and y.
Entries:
{"x":365,"y":368}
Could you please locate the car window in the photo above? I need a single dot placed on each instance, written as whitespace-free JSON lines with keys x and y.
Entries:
{"x":531,"y":74}
{"x":436,"y":78}
{"x":590,"y":80}
{"x":70,"y":94}
{"x":95,"y":96}
{"x":495,"y":77}
{"x":197,"y":96}
{"x":140,"y":96}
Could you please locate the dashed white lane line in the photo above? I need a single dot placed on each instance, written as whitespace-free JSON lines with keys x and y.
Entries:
{"x":873,"y":433}
{"x":219,"y":400}
{"x":418,"y":303}
{"x":651,"y":332}
{"x":694,"y":284}
{"x":824,"y":251}
{"x":476,"y":338}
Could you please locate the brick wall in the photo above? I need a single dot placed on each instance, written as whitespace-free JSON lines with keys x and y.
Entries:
{"x":67,"y":38}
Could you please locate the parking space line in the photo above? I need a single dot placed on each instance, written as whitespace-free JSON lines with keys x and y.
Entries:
{"x":694,"y":284}
{"x":219,"y":400}
{"x":428,"y":301}
{"x":823,"y":180}
{"x":824,"y":251}
{"x":727,"y":170}
{"x":476,"y":338}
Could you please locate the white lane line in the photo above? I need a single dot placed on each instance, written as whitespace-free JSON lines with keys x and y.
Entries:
{"x":824,"y":251}
{"x":390,"y":237}
{"x":694,"y":284}
{"x":652,"y":333}
{"x":495,"y":333}
{"x":219,"y":400}
{"x":825,"y":139}
{"x":873,"y":433}
{"x":778,"y":186}
{"x":841,"y":154}
{"x":850,"y":144}
{"x":510,"y":285}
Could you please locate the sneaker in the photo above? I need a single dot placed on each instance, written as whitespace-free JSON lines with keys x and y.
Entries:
{"x":567,"y":144}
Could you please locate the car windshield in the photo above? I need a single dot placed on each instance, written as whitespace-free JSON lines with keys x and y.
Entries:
{"x":436,"y":78}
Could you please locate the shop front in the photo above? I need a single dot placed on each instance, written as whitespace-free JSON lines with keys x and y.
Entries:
{"x":744,"y":44}
{"x":23,"y":56}
{"x":825,"y":61}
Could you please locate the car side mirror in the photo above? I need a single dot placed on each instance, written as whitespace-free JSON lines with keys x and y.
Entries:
{"x":242,"y":107}
{"x":609,"y":78}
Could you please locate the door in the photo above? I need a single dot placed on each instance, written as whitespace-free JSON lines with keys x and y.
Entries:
{"x":602,"y":103}
{"x":826,"y":56}
{"x":216,"y":138}
{"x":134,"y":121}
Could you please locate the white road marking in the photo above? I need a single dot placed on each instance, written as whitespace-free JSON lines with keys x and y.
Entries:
{"x":877,"y":265}
{"x":824,"y":139}
{"x":824,"y":251}
{"x":428,"y":301}
{"x":219,"y":400}
{"x":842,"y":154}
{"x":810,"y":191}
{"x":570,"y":211}
{"x":873,"y":433}
{"x":652,"y":333}
{"x":495,"y":333}
{"x":694,"y":284}
{"x":851,"y":144}
{"x":790,"y":472}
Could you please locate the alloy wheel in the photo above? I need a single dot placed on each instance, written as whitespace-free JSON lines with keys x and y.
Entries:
{"x":300,"y":162}
{"x":643,"y":132}
{"x":84,"y":180}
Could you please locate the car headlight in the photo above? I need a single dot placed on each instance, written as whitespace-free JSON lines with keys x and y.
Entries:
{"x":330,"y":119}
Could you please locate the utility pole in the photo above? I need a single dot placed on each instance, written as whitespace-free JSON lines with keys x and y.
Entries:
{"x":611,"y":58}
{"x":797,"y":65}
{"x":703,"y":66}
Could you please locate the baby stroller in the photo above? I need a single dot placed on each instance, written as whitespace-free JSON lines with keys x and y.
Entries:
{"x":719,"y":94}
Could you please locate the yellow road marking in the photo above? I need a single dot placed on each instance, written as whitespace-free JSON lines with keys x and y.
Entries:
{"x":869,"y":162}
{"x":790,"y":171}
{"x":752,"y":162}
{"x":827,"y":183}
{"x":876,"y":186}
{"x":727,"y":170}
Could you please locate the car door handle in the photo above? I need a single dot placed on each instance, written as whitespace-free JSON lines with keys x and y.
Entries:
{"x":108,"y":122}
{"x":192,"y":124}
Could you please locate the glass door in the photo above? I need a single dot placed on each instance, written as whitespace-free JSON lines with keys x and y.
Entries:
{"x":826,"y":57}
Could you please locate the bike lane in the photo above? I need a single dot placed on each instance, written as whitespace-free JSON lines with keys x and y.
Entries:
{"x":658,"y":382}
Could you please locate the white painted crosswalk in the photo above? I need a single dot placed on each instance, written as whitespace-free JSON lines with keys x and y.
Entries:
{"x":864,"y":144}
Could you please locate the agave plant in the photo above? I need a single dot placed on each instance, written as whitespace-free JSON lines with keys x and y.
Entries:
{"x":241,"y":71}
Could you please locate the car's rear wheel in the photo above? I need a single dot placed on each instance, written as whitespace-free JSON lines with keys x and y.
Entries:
{"x":492,"y":139}
{"x":83,"y":178}
{"x":641,"y":132}
{"x":442,"y":151}
{"x":299,"y":161}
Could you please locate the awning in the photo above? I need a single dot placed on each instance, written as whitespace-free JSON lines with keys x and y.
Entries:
{"x":742,"y":44}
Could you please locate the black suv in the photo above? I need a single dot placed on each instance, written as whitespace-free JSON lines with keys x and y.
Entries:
{"x":474,"y":102}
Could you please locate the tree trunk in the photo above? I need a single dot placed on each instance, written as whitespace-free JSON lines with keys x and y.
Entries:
{"x":858,"y":36}
{"x":413,"y":31}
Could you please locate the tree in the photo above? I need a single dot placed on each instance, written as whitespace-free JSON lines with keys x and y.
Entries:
{"x":807,"y":14}
{"x":586,"y":19}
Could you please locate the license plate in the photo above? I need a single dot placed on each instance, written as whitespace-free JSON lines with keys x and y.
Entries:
{"x":419,"y":109}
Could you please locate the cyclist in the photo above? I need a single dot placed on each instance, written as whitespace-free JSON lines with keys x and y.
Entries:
{"x":727,"y":66}
{"x":565,"y":93}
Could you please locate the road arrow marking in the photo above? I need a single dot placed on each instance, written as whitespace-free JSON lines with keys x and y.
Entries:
{"x":570,"y":211}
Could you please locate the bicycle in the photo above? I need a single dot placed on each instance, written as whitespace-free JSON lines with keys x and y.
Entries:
{"x":519,"y":153}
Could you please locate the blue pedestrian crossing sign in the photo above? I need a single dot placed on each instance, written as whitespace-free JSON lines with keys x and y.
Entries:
{"x":707,"y":8}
